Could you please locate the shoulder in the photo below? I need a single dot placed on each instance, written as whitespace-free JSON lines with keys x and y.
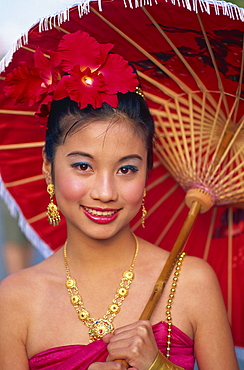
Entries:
{"x":22,"y":286}
{"x":197,"y":270}
{"x":198,"y":278}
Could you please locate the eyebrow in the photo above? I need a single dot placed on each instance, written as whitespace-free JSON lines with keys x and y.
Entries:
{"x":83,"y":154}
{"x":131,"y":156}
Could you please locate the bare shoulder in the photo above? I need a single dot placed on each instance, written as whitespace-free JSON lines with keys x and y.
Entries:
{"x":198,"y":271}
{"x":20,"y":289}
{"x":21,"y":295}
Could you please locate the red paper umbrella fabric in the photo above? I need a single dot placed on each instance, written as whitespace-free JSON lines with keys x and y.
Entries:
{"x":189,"y":59}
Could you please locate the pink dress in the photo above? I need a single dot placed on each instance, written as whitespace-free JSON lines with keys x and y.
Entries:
{"x":80,"y":357}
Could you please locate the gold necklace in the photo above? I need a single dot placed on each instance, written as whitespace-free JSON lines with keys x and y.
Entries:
{"x":99,"y":328}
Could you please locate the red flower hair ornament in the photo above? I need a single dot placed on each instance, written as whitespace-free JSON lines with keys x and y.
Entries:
{"x":81,"y":68}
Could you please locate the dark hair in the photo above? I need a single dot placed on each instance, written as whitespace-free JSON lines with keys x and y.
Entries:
{"x":65,"y":116}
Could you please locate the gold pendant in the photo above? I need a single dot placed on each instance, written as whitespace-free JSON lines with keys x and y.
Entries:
{"x":99,"y":328}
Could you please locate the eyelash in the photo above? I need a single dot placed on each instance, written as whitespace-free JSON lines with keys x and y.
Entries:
{"x":87,"y":165}
{"x":80,"y":164}
{"x":129,"y":167}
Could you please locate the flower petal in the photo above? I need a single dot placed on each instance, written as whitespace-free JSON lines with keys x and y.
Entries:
{"x":84,"y":87}
{"x":81,"y":49}
{"x":118,"y":75}
{"x":23,"y":85}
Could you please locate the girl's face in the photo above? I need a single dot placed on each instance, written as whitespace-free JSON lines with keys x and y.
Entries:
{"x":100,"y":173}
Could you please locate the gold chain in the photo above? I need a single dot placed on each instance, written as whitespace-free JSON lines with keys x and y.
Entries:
{"x":170,"y":301}
{"x":100,"y":327}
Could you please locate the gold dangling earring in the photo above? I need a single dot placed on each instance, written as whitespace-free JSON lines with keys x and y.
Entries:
{"x":143,"y":211}
{"x":53,"y":215}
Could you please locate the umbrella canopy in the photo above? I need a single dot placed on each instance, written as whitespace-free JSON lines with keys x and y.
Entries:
{"x":189,"y":58}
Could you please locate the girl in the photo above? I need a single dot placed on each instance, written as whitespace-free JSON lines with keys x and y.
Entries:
{"x":79,"y":308}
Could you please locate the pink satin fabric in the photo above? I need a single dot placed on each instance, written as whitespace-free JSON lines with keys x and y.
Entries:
{"x":80,"y":357}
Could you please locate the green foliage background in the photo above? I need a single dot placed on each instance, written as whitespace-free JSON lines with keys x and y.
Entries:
{"x":237,"y":2}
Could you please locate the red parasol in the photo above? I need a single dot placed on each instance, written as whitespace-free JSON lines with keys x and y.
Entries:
{"x":189,"y":57}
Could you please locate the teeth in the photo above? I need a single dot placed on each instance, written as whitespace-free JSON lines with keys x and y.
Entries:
{"x":99,"y":213}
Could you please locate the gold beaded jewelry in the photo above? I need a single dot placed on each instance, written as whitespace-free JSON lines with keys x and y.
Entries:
{"x":102,"y":326}
{"x":170,"y":301}
{"x":143,"y":210}
{"x":139,"y":91}
{"x":53,"y":215}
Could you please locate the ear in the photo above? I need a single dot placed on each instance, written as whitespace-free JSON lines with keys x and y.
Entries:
{"x":46,"y":168}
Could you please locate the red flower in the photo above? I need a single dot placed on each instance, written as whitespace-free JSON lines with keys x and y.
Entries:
{"x":94,"y":75}
{"x":81,"y":49}
{"x":30,"y":85}
{"x":81,"y":69}
{"x":24,"y":85}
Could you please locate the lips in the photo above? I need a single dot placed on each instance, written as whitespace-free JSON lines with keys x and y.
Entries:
{"x":102,"y":216}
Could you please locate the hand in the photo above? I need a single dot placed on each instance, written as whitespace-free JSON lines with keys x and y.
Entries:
{"x":134,"y":343}
{"x":108,"y":366}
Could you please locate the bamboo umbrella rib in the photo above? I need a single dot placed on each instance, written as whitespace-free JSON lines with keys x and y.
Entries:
{"x":170,"y":223}
{"x":238,"y":94}
{"x":169,"y":160}
{"x":178,"y":114}
{"x":185,"y":145}
{"x":227,"y":149}
{"x":173,"y":94}
{"x":223,"y":176}
{"x":17,"y":112}
{"x":60,"y":29}
{"x":156,"y":162}
{"x":221,"y":88}
{"x":212,"y":131}
{"x":200,"y":156}
{"x":231,"y":184}
{"x":168,"y":151}
{"x":22,"y":145}
{"x":230,"y":253}
{"x":210,"y":234}
{"x":37,"y":218}
{"x":156,"y":205}
{"x":182,"y":112}
{"x":235,"y":162}
{"x":33,"y":50}
{"x":154,"y":60}
{"x":192,"y":133}
{"x":178,"y":154}
{"x":24,"y":181}
{"x":162,"y":199}
{"x":199,"y":82}
{"x":158,"y":181}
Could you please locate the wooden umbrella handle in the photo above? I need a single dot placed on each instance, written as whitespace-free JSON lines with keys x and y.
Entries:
{"x":169,"y":265}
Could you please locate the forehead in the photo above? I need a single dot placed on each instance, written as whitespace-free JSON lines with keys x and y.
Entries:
{"x":119,"y":133}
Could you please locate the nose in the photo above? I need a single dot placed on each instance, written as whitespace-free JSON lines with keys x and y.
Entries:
{"x":104,"y":188}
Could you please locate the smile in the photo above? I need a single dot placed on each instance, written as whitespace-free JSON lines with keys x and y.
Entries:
{"x":99,"y":216}
{"x":100,"y":213}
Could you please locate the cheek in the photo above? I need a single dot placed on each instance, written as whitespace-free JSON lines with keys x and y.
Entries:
{"x":134,"y":193}
{"x":69,"y":189}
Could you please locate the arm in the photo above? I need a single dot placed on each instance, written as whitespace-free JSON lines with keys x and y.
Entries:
{"x":214,"y":347}
{"x":13,"y":326}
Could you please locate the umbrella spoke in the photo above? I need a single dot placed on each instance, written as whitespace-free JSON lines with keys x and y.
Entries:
{"x":22,"y":145}
{"x":24,"y":181}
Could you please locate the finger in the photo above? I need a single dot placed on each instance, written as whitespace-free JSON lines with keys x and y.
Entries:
{"x":141,"y":329}
{"x":107,"y":366}
{"x":107,"y":337}
{"x":132,"y":326}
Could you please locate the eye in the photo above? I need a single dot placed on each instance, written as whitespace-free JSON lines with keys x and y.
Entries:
{"x":82,"y":166}
{"x":127,"y":169}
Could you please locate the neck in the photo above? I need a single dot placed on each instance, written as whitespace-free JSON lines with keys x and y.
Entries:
{"x":88,"y":254}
